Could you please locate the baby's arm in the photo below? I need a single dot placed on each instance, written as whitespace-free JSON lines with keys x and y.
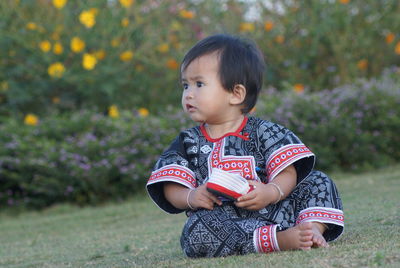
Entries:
{"x":179,"y":196}
{"x":265,"y":194}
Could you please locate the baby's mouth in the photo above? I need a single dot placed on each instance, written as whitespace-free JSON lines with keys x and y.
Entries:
{"x":189,"y":107}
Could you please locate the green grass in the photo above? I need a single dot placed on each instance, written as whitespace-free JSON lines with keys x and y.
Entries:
{"x":137,"y":234}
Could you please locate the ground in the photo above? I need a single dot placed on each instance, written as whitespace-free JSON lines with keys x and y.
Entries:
{"x":136,"y":233}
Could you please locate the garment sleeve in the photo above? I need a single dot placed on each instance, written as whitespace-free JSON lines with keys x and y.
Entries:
{"x":281,"y":148}
{"x":172,"y":166}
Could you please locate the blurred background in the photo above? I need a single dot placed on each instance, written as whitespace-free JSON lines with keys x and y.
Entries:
{"x":90,"y":96}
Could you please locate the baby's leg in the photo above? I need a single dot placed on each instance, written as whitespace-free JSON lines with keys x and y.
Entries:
{"x":218,"y":232}
{"x":317,"y":200}
{"x":302,"y":236}
{"x":267,"y":239}
{"x":304,"y":213}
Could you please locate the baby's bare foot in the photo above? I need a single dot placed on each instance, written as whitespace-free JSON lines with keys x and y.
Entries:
{"x":318,"y":239}
{"x":297,"y":237}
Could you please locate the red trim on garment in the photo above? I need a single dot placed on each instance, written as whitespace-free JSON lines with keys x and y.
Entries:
{"x":223,"y":191}
{"x":242,"y":165}
{"x":236,"y":133}
{"x":174,"y":173}
{"x":284,"y":156}
{"x":265,"y":239}
{"x":318,"y":214}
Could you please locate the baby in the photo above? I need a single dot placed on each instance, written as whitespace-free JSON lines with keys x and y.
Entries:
{"x":291,"y":206}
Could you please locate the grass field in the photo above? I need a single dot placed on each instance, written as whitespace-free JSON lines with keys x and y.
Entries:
{"x":137,"y":234}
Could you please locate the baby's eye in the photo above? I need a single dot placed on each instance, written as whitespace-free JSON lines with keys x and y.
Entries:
{"x":199,"y":84}
{"x":185,"y":85}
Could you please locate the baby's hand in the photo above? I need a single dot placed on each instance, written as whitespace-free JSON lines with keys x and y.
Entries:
{"x":258,"y":198}
{"x":201,"y":198}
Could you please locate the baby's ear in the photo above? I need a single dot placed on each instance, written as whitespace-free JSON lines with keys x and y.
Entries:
{"x":238,"y":94}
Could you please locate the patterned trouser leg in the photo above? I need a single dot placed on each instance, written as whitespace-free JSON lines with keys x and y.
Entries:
{"x":228,"y":230}
{"x":315,"y":199}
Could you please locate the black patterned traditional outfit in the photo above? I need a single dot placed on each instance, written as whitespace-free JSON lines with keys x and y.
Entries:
{"x":258,"y":150}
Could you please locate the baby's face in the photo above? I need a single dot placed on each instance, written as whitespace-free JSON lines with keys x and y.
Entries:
{"x":203,"y":97}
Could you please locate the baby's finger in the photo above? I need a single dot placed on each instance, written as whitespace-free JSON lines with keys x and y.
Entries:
{"x":206,"y":203}
{"x":255,"y":183}
{"x":244,"y":204}
{"x":214,"y":199}
{"x":247,"y":196}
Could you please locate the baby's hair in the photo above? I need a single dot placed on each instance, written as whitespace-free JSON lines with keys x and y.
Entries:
{"x":240,"y":62}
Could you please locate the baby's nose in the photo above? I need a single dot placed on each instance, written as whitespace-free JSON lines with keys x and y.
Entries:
{"x":188,"y":93}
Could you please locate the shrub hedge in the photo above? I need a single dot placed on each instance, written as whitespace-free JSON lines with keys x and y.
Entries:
{"x":352,"y":127}
{"x":84,"y":158}
{"x":68,"y":55}
{"x":87,"y":157}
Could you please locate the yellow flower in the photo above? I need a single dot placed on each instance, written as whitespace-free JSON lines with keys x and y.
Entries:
{"x":126,"y":55}
{"x":100,"y":54}
{"x":176,"y":26}
{"x":390,"y":38}
{"x":4,"y":86}
{"x":55,"y":36}
{"x":126,"y":3}
{"x":115,"y":42}
{"x":87,"y":18}
{"x":57,"y":31}
{"x":113,"y":111}
{"x":55,"y":100}
{"x":77,"y":45}
{"x":31,"y":120}
{"x":246,"y":27}
{"x":280,"y":39}
{"x":59,"y":4}
{"x":163,"y":48}
{"x":298,"y":88}
{"x":345,"y":2}
{"x":89,"y":61}
{"x":58,"y":48}
{"x":172,"y":64}
{"x":397,"y":48}
{"x":268,"y":26}
{"x":139,"y":67}
{"x":175,"y":41}
{"x":143,"y":112}
{"x":177,"y":46}
{"x":31,"y":26}
{"x":362,"y":64}
{"x":45,"y":46}
{"x":94,"y":11}
{"x":56,"y":70}
{"x":186,"y":14}
{"x":125,"y":22}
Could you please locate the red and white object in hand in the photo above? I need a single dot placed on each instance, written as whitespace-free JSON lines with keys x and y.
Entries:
{"x":226,"y":184}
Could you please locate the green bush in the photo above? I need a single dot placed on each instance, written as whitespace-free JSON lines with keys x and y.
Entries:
{"x":352,"y":127}
{"x":323,"y":44}
{"x":87,"y":157}
{"x":84,"y":158}
{"x":131,"y":53}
